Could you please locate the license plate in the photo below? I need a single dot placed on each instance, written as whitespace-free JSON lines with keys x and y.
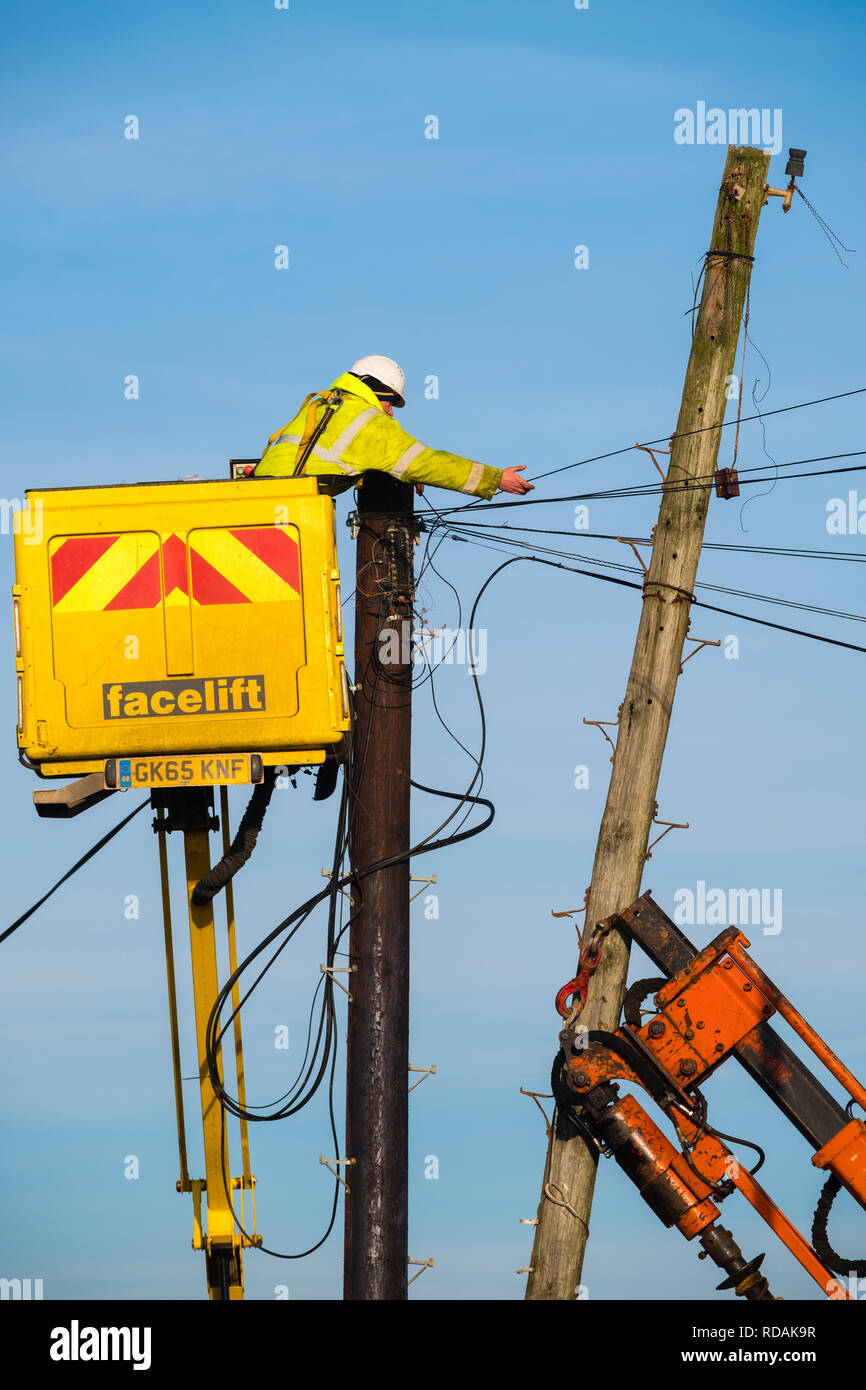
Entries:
{"x":185,"y":770}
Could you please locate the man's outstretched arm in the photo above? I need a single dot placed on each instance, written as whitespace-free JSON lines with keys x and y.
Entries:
{"x":384,"y":445}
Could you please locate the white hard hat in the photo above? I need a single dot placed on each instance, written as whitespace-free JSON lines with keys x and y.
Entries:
{"x":384,"y":370}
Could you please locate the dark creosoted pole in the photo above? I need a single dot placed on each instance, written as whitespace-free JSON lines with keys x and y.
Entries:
{"x":377,"y":1106}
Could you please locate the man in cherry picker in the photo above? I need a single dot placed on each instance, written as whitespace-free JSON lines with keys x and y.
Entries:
{"x":350,"y":428}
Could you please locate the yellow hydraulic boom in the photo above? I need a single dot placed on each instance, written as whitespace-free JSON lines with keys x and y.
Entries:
{"x":191,"y":812}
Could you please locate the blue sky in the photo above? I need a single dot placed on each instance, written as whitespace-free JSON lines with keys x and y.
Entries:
{"x":155,"y":257}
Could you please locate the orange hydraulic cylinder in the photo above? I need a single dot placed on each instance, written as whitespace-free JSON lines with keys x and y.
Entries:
{"x":667,"y":1184}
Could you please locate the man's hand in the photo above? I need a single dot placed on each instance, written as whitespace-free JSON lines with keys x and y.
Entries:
{"x":511,"y":483}
{"x":419,"y":488}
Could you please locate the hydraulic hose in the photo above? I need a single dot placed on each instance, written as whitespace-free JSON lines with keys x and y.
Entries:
{"x":820,"y":1239}
{"x":241,"y":846}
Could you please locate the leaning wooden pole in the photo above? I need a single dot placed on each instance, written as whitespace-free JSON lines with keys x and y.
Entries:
{"x":570,"y":1168}
{"x":377,"y":1071}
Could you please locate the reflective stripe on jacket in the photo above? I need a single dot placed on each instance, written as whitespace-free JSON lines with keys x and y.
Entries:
{"x":359,"y":435}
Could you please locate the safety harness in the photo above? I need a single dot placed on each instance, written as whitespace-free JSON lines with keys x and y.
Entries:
{"x":331,"y":399}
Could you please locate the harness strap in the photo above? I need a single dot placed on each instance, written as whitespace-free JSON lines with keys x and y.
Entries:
{"x":313,"y":395}
{"x":331,"y":400}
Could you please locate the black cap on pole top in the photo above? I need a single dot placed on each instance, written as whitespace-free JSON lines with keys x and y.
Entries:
{"x":794,"y":167}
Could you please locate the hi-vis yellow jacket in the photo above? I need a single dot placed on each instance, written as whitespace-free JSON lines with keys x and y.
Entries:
{"x":359,"y":436}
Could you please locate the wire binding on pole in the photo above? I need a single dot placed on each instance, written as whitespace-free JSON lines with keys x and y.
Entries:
{"x":682,"y":594}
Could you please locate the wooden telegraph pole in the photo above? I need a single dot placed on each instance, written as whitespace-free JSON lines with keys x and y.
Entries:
{"x":564,"y":1209}
{"x":377,"y":1075}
